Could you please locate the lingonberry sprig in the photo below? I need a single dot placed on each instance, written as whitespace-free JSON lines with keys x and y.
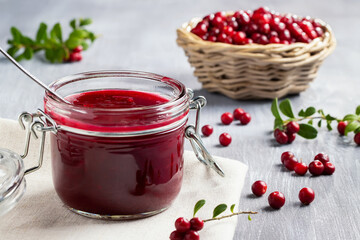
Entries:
{"x":56,"y":48}
{"x":285,"y":130}
{"x":188,"y":230}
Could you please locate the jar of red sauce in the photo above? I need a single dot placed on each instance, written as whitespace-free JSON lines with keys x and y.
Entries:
{"x":117,"y":146}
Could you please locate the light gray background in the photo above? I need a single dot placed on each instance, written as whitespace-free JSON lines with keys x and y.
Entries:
{"x":140,"y":35}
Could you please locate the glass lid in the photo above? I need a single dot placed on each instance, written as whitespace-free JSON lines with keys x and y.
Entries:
{"x":12,"y":181}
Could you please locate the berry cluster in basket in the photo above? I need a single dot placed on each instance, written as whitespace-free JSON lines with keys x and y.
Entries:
{"x":261,"y":26}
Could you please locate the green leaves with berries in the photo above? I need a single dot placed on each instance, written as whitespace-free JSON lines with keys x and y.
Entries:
{"x":307,"y":118}
{"x":56,"y":48}
{"x":219,"y":209}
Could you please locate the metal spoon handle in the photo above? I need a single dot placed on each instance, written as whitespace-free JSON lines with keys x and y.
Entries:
{"x":32,"y":76}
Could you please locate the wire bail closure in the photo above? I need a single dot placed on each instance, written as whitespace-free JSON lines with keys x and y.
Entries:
{"x":192,"y":134}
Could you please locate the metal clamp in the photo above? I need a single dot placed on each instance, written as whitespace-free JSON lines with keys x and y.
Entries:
{"x":192,"y":133}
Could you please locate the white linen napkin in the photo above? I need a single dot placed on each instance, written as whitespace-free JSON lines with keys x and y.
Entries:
{"x":41,"y":214}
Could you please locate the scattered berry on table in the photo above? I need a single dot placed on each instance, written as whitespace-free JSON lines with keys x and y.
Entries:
{"x":196,"y":224}
{"x":292,"y":127}
{"x":225,"y":139}
{"x":276,"y":200}
{"x":322,"y":157}
{"x":182,"y":224}
{"x":245,"y":118}
{"x":357,"y":138}
{"x":290,"y":163}
{"x":341,"y":127}
{"x":301,"y":168}
{"x":259,"y":188}
{"x":192,"y":235}
{"x":306,"y":195}
{"x":237,"y":113}
{"x":207,"y":130}
{"x":280,"y":136}
{"x":227,"y":118}
{"x":176,"y":235}
{"x":286,"y":155}
{"x":329,"y":168}
{"x":316,"y":168}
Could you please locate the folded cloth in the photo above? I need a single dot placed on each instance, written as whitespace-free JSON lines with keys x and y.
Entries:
{"x":42,"y":215}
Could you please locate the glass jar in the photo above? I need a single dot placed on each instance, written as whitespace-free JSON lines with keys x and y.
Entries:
{"x":118,"y":162}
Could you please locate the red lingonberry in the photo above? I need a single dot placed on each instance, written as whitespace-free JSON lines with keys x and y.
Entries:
{"x":225,"y":139}
{"x":301,"y":168}
{"x":322,"y":157}
{"x":239,"y":38}
{"x":196,"y":224}
{"x":357,"y":138}
{"x":182,"y":224}
{"x":329,"y":168}
{"x":264,"y":28}
{"x":237,"y":113}
{"x":274,"y":39}
{"x":192,"y":235}
{"x":286,"y":155}
{"x":221,"y":14}
{"x":276,"y":200}
{"x":281,"y":137}
{"x":176,"y":235}
{"x":263,"y":40}
{"x":316,"y":168}
{"x":78,"y":49}
{"x":341,"y":127}
{"x":212,"y":38}
{"x":245,"y":118}
{"x":292,"y":127}
{"x":75,"y":57}
{"x":306,"y":195}
{"x":291,"y":137}
{"x":207,"y":130}
{"x":290,"y":163}
{"x":259,"y":188}
{"x":227,"y":118}
{"x":229,"y":31}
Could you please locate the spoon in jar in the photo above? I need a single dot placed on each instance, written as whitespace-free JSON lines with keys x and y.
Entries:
{"x":32,"y":76}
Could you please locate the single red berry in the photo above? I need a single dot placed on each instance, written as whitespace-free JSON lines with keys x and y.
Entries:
{"x":214,"y":31}
{"x":222,"y":37}
{"x":248,"y":41}
{"x":242,"y":18}
{"x":78,"y":49}
{"x":301,"y":168}
{"x":329,"y":168}
{"x":192,"y":235}
{"x":196,"y":224}
{"x":263,"y":40}
{"x":176,"y":235}
{"x":292,"y":127}
{"x":259,"y":188}
{"x":237,"y":113}
{"x":264,"y":28}
{"x":229,"y":31}
{"x":281,"y":137}
{"x":341,"y":127}
{"x":316,"y":168}
{"x":221,"y":14}
{"x":322,"y":157}
{"x":262,"y":10}
{"x":319,"y":31}
{"x":255,"y":37}
{"x":306,"y":195}
{"x":182,"y":224}
{"x":274,"y":39}
{"x":291,"y":137}
{"x":286,"y":155}
{"x":251,"y":28}
{"x":357,"y":138}
{"x":273,"y":34}
{"x":212,"y":38}
{"x":209,"y":17}
{"x":245,"y":118}
{"x":285,"y":35}
{"x":200,"y":29}
{"x":225,"y":139}
{"x":75,"y":57}
{"x":233,"y":23}
{"x":284,"y":42}
{"x":227,"y":118}
{"x":217,"y":22}
{"x":287,"y":19}
{"x":290,"y":163}
{"x":207,"y":130}
{"x":239,"y":38}
{"x":276,"y":200}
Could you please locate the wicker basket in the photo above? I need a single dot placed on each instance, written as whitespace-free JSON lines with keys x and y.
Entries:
{"x":254,"y":71}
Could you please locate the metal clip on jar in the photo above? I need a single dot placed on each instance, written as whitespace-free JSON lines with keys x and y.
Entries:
{"x":111,"y":163}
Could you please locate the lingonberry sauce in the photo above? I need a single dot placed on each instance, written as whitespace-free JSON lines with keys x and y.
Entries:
{"x":116,"y":175}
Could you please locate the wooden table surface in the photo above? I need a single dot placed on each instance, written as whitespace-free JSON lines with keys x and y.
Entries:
{"x":140,"y":35}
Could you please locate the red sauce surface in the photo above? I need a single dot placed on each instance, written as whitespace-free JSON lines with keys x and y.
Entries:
{"x":116,"y":176}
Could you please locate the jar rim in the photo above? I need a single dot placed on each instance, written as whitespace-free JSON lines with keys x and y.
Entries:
{"x":57,"y":84}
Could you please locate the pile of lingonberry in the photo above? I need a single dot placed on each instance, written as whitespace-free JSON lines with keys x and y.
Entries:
{"x":75,"y":55}
{"x":261,"y":26}
{"x":277,"y":199}
{"x":187,"y":230}
{"x":320,"y":166}
{"x":226,"y":119}
{"x":287,"y":135}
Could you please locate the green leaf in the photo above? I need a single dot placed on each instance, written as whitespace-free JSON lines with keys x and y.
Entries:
{"x":328,"y":125}
{"x":302,"y":113}
{"x":72,"y":43}
{"x":16,"y":34}
{"x":319,"y":123}
{"x":321,"y":112}
{"x":278,"y":123}
{"x":286,"y":109}
{"x":275,"y":109}
{"x":357,"y":110}
{"x":28,"y":53}
{"x":12,"y":51}
{"x":351,"y":127}
{"x":85,"y":45}
{"x":73,"y":24}
{"x":310,"y":122}
{"x":198,"y":205}
{"x":56,"y":33}
{"x":20,"y":57}
{"x":27,"y":41}
{"x":307,"y":131}
{"x":357,"y":130}
{"x":79,"y":33}
{"x":92,"y":36}
{"x":84,"y":22}
{"x":232,"y":208}
{"x":249,"y":218}
{"x":350,"y":117}
{"x":219,"y":209}
{"x":310,"y":111}
{"x":49,"y":54}
{"x":41,"y":33}
{"x":330,"y":118}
